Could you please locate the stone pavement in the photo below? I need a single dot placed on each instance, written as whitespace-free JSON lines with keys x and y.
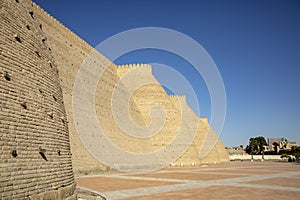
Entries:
{"x":255,"y":180}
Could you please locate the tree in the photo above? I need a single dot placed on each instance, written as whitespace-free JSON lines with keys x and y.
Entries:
{"x":295,"y":151}
{"x":256,"y":145}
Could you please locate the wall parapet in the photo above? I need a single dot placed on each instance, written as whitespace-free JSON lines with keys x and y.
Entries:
{"x":204,"y":119}
{"x":135,"y":65}
{"x":182,"y":98}
{"x":123,"y":69}
{"x":43,"y":12}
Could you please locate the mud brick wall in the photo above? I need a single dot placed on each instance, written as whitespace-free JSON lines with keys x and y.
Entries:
{"x":69,"y":51}
{"x":35,"y":156}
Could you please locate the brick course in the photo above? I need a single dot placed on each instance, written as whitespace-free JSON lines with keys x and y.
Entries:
{"x":35,"y":157}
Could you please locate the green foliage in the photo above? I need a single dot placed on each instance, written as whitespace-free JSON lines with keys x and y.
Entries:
{"x":295,"y":149}
{"x":296,"y":154}
{"x":284,"y":156}
{"x":256,"y":145}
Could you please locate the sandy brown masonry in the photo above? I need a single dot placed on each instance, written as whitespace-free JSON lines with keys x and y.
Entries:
{"x":35,"y":159}
{"x":39,"y":60}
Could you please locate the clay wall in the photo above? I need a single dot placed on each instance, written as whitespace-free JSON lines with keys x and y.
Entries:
{"x":35,"y":158}
{"x":70,"y":52}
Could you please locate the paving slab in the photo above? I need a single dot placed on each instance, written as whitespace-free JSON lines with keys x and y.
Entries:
{"x":188,"y":176}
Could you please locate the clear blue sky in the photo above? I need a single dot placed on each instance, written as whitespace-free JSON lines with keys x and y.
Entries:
{"x":255,"y":45}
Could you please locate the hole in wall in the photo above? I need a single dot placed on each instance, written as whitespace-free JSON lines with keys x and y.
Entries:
{"x":50,"y":63}
{"x":7,"y":76}
{"x":43,"y":153}
{"x":59,"y":153}
{"x":38,"y":54}
{"x":49,"y":49}
{"x":31,"y":14}
{"x":54,"y":97}
{"x":62,"y":120}
{"x":24,"y":105}
{"x":17,"y":1}
{"x":50,"y":114}
{"x":41,"y":91}
{"x":17,"y":37}
{"x":28,"y":27}
{"x":41,"y":26}
{"x":14,"y":153}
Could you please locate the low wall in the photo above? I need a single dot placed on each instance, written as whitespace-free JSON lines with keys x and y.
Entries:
{"x":255,"y":157}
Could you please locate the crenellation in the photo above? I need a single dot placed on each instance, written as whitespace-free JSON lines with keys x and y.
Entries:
{"x":123,"y":69}
{"x":134,"y":65}
{"x":43,"y":12}
{"x":181,"y":98}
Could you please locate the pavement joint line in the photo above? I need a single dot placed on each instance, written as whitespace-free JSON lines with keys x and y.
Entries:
{"x":114,"y":195}
{"x":220,"y":173}
{"x":230,"y":168}
{"x":260,"y":176}
{"x":190,"y":172}
{"x":154,"y":179}
{"x":256,"y":177}
{"x":196,"y":169}
{"x":269,"y":187}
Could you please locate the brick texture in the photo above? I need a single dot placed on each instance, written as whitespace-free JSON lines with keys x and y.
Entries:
{"x":35,"y":159}
{"x":40,"y":59}
{"x":69,"y":51}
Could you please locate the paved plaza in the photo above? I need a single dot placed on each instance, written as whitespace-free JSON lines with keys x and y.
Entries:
{"x":255,"y":180}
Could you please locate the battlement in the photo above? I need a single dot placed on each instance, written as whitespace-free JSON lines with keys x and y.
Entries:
{"x":55,"y":21}
{"x":182,"y":98}
{"x":131,"y":66}
{"x":204,"y":119}
{"x":123,"y":69}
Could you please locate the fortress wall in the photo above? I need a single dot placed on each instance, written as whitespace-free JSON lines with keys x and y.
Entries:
{"x":191,"y":122}
{"x":179,"y":117}
{"x":146,"y":96}
{"x":123,"y":69}
{"x":207,"y":145}
{"x":107,"y":120}
{"x":212,"y":149}
{"x":35,"y":158}
{"x":69,"y":52}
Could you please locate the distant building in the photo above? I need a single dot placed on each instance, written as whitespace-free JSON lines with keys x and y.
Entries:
{"x":279,"y":144}
{"x":293,"y":144}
